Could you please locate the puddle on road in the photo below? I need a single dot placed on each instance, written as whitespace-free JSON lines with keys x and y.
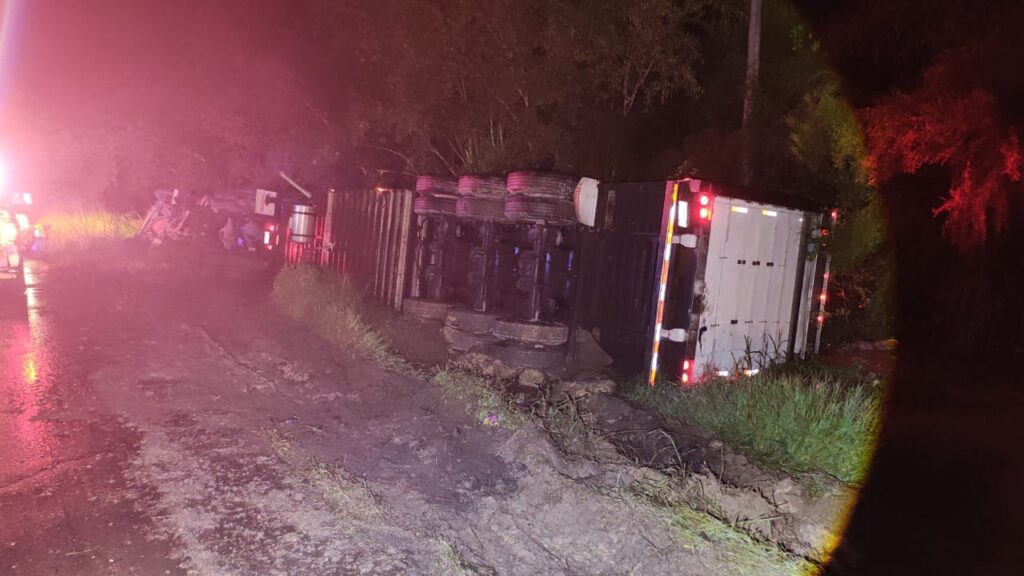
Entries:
{"x":62,"y":486}
{"x":28,"y":364}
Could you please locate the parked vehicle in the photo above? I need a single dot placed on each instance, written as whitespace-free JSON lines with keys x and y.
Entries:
{"x":31,"y":236}
{"x":11,"y":264}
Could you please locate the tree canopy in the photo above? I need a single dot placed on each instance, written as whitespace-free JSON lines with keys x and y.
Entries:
{"x":455,"y":86}
{"x":955,"y":124}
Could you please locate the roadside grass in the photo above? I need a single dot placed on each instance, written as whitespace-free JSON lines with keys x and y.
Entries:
{"x":69,"y":231}
{"x":570,"y":428}
{"x":450,"y":560}
{"x":482,"y":399}
{"x":704,"y":534}
{"x":801,"y":420}
{"x":349,"y":495}
{"x":346,"y":492}
{"x":331,"y":308}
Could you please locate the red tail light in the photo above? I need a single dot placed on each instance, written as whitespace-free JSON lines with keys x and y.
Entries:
{"x":705,"y":202}
{"x":684,"y":377}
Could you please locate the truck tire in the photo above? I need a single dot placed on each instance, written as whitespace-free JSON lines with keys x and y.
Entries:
{"x":471,"y":321}
{"x":539,"y":210}
{"x":425,"y":309}
{"x":482,"y":186}
{"x":526,"y":356}
{"x":431,"y":204}
{"x":473,"y":208}
{"x":436,"y":185}
{"x":542,"y":185}
{"x":532,"y":333}
{"x":464,"y":341}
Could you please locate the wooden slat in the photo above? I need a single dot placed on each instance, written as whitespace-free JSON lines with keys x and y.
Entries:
{"x":405,"y":217}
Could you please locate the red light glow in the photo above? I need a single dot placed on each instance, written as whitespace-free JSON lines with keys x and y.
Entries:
{"x":704,"y":200}
{"x":705,"y":214}
{"x":686,"y":364}
{"x":821,"y":318}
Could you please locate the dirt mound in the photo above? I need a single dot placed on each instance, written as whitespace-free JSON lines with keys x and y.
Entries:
{"x":805,"y":517}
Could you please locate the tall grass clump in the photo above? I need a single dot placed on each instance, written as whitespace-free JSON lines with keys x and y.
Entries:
{"x":83,"y":228}
{"x":800,"y":421}
{"x":331,"y":309}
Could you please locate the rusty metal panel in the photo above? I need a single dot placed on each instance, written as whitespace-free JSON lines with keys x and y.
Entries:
{"x":373,"y":233}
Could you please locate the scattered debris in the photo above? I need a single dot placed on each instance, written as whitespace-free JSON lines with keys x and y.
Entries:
{"x":531,"y":378}
{"x":577,"y":389}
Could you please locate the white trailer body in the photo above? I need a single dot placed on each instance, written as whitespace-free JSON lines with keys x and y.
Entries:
{"x":741,"y":281}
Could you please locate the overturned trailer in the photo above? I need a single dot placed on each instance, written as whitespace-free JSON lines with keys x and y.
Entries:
{"x":682,"y":278}
{"x":689,"y":278}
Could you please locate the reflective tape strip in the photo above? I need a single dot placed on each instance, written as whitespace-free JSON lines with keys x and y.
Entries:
{"x":663,"y":283}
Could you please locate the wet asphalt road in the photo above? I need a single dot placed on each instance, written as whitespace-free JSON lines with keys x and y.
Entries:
{"x":150,"y":421}
{"x":62,"y":454}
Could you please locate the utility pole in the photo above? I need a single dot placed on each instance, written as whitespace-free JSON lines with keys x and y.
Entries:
{"x":753,"y":67}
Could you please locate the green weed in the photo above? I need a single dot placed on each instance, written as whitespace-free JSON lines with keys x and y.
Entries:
{"x":569,"y":427}
{"x":348,"y":494}
{"x":484,"y":401}
{"x":706,"y":535}
{"x":797,"y":420}
{"x":331,"y":308}
{"x":81,"y":229}
{"x":450,"y":560}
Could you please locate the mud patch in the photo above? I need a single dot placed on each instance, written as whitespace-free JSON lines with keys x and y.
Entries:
{"x":237,"y":509}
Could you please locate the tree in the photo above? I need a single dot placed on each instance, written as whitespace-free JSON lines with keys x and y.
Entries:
{"x":825,"y":136}
{"x":456,"y":86}
{"x":952,"y":122}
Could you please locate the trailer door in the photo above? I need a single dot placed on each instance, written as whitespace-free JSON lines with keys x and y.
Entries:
{"x":749,"y":283}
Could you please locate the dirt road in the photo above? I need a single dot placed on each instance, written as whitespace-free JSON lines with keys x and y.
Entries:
{"x":156,"y":421}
